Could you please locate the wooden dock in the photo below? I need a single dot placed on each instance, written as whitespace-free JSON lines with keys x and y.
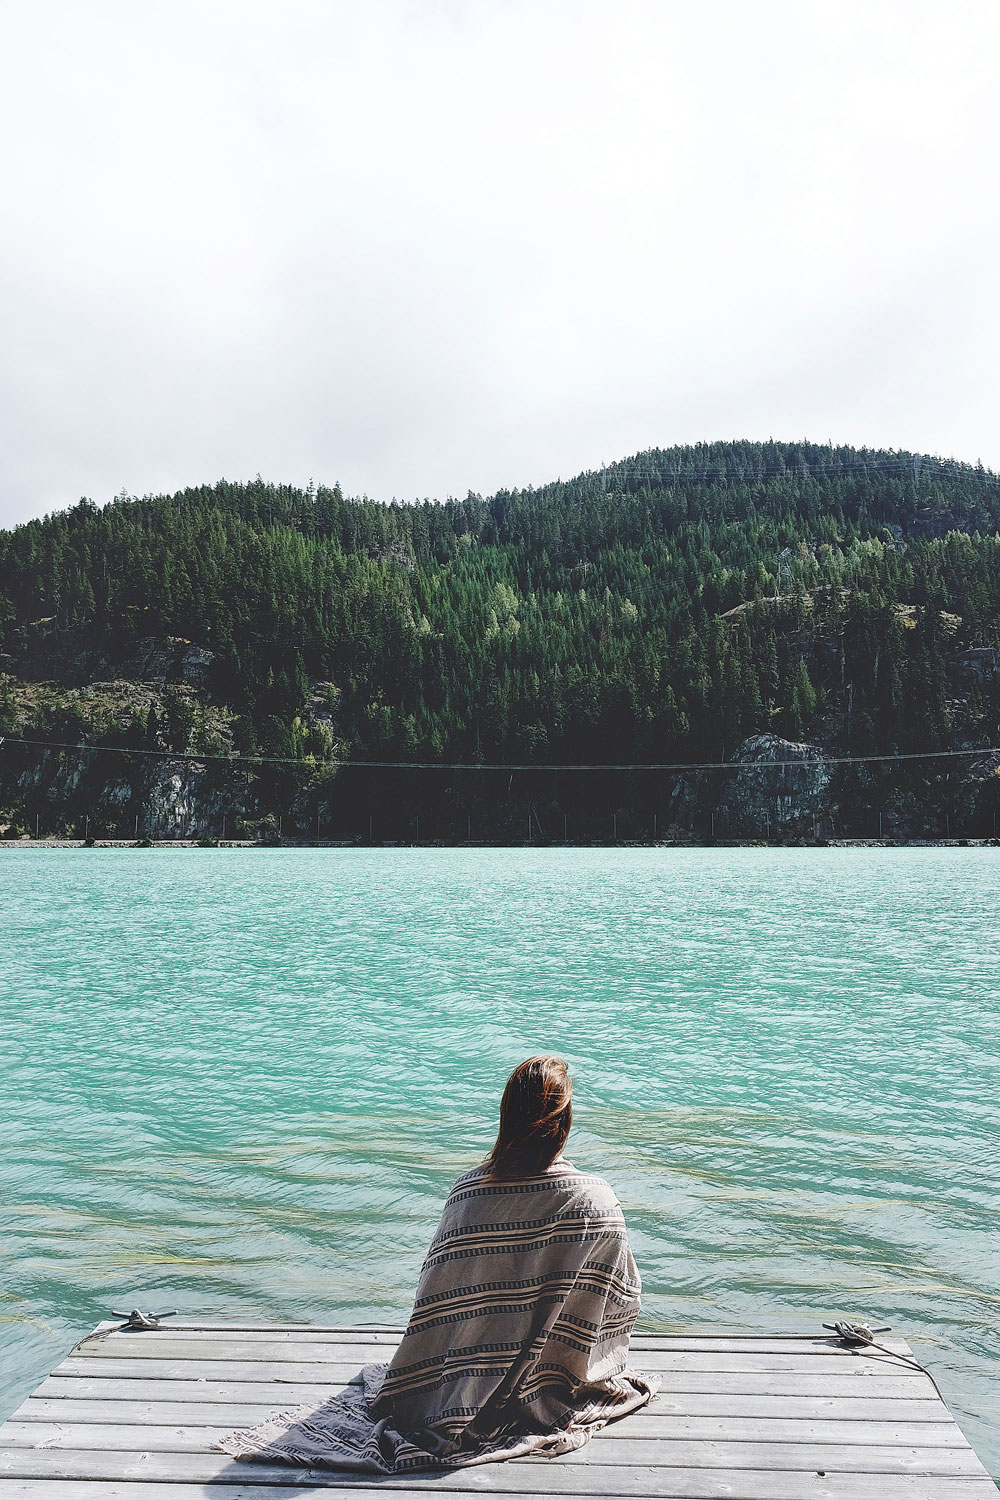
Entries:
{"x":133,"y":1416}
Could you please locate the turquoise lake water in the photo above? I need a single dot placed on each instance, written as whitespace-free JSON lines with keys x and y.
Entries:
{"x":240,"y":1082}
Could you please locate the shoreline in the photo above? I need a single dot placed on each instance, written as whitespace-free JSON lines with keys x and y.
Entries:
{"x":835,"y":843}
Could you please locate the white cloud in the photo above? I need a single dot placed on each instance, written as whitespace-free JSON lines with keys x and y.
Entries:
{"x":422,"y":247}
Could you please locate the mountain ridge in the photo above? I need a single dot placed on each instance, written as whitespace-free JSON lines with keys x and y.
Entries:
{"x":670,"y":608}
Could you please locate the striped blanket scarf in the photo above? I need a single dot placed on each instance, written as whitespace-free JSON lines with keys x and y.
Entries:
{"x":517,"y":1343}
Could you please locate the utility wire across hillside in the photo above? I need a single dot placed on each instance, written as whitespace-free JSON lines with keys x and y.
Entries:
{"x":477,"y":765}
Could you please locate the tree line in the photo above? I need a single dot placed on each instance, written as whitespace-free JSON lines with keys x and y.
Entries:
{"x":661,"y":609}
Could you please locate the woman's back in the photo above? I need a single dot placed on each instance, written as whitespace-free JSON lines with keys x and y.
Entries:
{"x":527,"y":1296}
{"x":518,"y":1338}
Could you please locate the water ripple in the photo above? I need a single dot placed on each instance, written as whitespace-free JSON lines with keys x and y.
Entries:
{"x":240,"y":1082}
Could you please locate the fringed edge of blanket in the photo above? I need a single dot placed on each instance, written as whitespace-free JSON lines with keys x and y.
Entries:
{"x":252,"y":1443}
{"x":262,"y":1444}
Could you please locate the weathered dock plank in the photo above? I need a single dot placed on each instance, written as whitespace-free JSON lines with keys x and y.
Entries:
{"x":194,"y":1435}
{"x":719,"y":1485}
{"x":679,"y":1404}
{"x":219,"y":1335}
{"x":692,"y":1381}
{"x":136,"y":1416}
{"x":128,"y":1365}
{"x":766,"y":1480}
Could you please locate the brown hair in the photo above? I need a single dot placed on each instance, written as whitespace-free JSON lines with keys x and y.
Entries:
{"x":535,"y":1115}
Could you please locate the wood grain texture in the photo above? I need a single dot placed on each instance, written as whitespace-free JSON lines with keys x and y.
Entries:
{"x":714,"y":1485}
{"x":234,"y":1363}
{"x":183,"y":1335}
{"x":90,"y":1380}
{"x":670,"y":1407}
{"x":567,"y":1476}
{"x":137,"y":1417}
{"x":651,"y":1446}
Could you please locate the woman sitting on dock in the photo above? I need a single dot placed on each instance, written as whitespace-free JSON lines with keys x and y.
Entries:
{"x":519,"y":1333}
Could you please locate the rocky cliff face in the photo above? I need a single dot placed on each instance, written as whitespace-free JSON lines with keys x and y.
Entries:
{"x":73,"y":699}
{"x":766,"y":799}
{"x":73,"y":659}
{"x":73,"y":793}
{"x":782,"y":791}
{"x":174,"y":775}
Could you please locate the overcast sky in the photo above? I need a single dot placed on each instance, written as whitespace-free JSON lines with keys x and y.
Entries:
{"x":426,"y":246}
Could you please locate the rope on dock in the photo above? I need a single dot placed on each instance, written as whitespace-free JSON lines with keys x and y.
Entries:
{"x":860,"y":1335}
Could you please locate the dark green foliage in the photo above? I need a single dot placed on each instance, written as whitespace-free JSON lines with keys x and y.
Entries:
{"x":584,"y":621}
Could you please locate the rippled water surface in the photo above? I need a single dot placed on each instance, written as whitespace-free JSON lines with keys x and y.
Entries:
{"x":239,"y":1082}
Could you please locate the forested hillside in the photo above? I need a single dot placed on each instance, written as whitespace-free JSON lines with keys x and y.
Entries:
{"x":665,"y":609}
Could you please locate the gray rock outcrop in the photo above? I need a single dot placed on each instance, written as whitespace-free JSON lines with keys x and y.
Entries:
{"x":765,"y":799}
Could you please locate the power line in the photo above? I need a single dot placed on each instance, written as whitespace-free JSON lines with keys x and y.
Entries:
{"x":452,"y":765}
